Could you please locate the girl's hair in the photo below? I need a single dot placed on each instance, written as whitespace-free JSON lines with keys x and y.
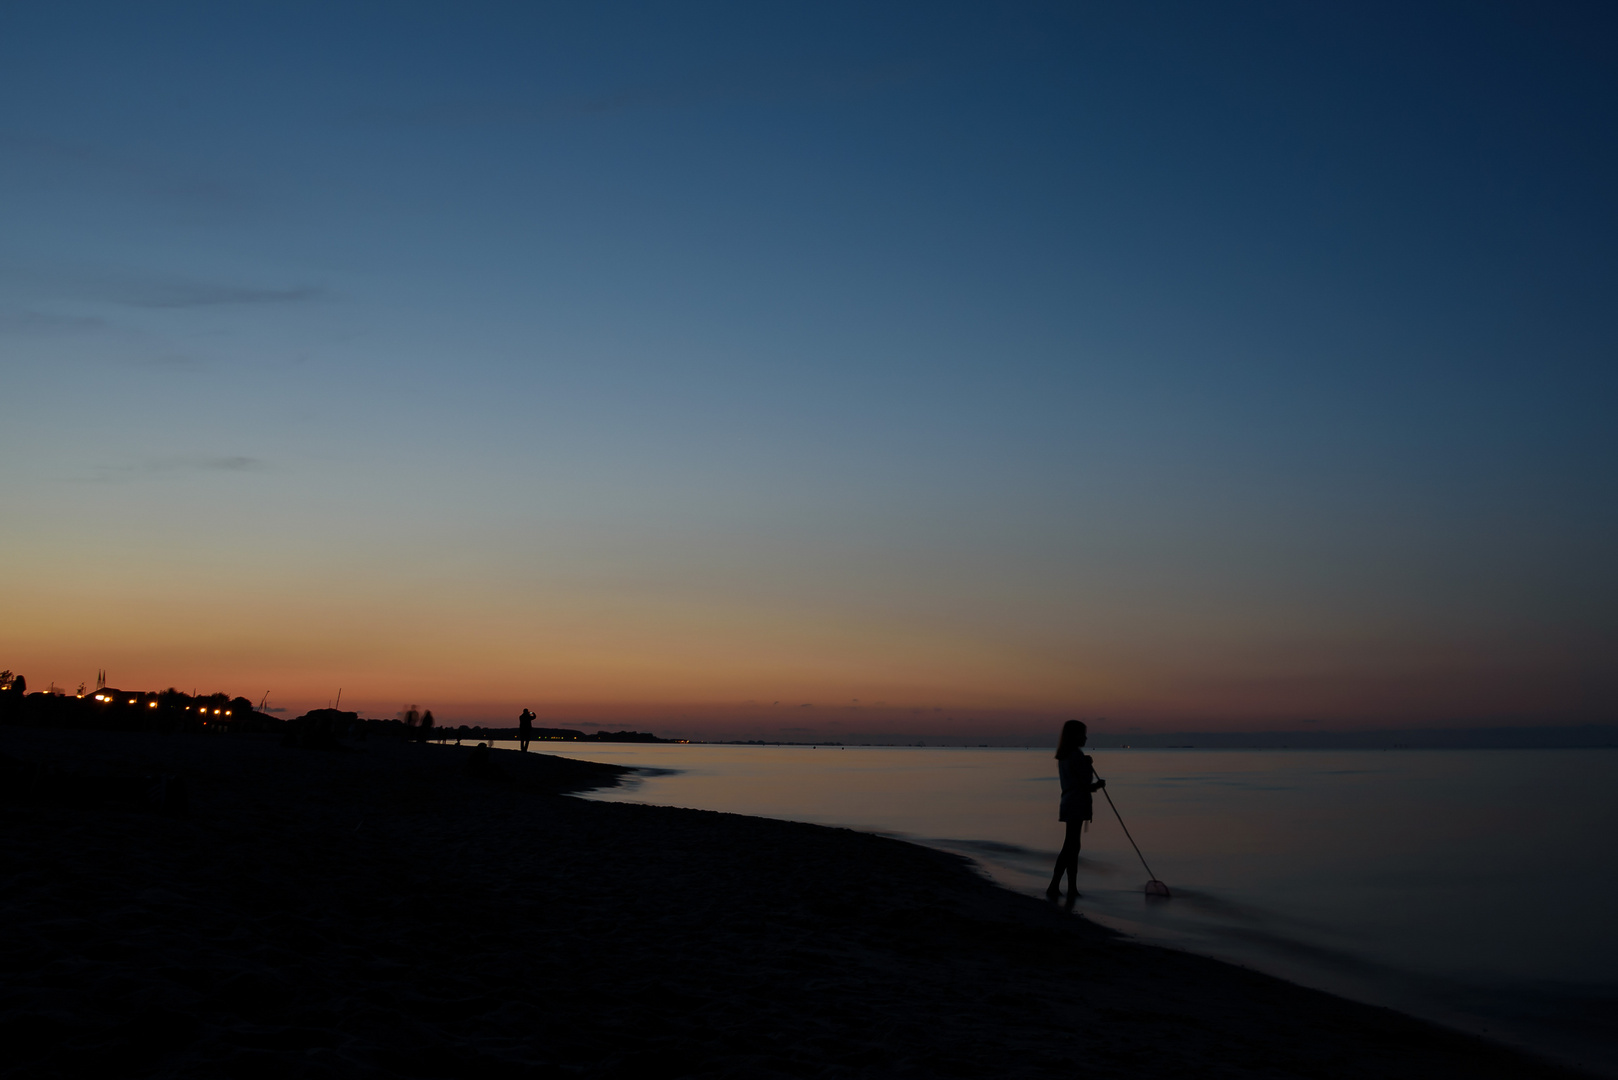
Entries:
{"x":1073,"y":735}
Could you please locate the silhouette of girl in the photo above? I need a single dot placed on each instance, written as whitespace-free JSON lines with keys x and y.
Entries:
{"x":1075,"y":769}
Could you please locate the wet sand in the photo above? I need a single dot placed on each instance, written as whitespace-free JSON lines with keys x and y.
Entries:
{"x":387,"y":912}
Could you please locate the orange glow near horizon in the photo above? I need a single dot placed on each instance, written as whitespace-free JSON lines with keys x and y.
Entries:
{"x":698,"y":671}
{"x":705,"y":635}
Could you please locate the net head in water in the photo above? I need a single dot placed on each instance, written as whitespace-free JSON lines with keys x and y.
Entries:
{"x":1157,"y":888}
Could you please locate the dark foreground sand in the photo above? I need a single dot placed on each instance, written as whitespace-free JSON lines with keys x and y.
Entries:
{"x":386,"y":913}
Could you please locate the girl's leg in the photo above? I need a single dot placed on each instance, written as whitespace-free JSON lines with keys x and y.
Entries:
{"x":1075,"y":833}
{"x":1067,"y":860}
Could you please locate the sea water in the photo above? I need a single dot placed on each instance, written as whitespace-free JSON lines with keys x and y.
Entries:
{"x":1475,"y":888}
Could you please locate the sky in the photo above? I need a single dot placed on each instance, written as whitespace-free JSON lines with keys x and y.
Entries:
{"x":797,"y":369}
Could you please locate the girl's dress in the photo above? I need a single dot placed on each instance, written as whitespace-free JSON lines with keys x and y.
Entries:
{"x":1074,"y":772}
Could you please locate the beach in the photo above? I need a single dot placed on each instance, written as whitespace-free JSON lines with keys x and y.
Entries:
{"x":393,"y":909}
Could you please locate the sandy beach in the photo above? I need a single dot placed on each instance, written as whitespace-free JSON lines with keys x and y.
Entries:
{"x":391,"y":911}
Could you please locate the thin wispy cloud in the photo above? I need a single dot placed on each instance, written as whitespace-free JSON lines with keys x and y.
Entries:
{"x":140,"y":289}
{"x":174,"y":362}
{"x":47,"y":322}
{"x":183,"y":463}
{"x":740,"y":85}
{"x":233,"y":463}
{"x":168,"y":294}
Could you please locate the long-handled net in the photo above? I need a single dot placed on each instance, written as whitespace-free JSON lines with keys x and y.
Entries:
{"x":1154,"y":887}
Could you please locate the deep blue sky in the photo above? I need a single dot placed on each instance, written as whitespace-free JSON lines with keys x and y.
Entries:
{"x":1210,"y":362}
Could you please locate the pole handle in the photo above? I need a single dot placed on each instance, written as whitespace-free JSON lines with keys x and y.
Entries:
{"x":1122,"y":826}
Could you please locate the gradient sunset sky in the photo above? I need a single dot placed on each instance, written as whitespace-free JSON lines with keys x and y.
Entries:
{"x":1203,"y":365}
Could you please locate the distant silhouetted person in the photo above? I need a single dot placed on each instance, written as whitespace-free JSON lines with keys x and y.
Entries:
{"x":1076,"y":770}
{"x":425,"y":731}
{"x":525,"y":729}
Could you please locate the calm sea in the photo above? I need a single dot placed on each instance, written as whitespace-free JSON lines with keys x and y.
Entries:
{"x":1476,"y":888}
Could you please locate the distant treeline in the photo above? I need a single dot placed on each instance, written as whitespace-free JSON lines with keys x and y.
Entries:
{"x":325,"y":727}
{"x":111,"y":709}
{"x":423,"y":729}
{"x":541,"y":734}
